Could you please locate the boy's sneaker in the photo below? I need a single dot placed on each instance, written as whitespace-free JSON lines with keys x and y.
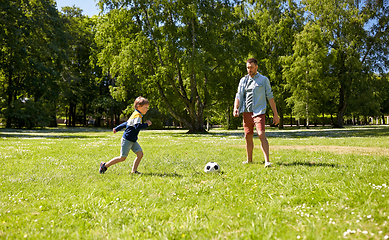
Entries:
{"x":102,"y":168}
{"x":268,"y":164}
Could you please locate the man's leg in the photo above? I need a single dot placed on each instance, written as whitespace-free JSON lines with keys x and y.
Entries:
{"x":264,"y":145}
{"x":249,"y":147}
{"x":248,"y":126}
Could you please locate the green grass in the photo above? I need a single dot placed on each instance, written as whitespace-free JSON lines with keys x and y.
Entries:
{"x":325,"y":184}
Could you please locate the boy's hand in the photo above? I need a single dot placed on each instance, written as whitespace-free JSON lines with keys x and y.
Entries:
{"x":114,"y":130}
{"x":149,"y":122}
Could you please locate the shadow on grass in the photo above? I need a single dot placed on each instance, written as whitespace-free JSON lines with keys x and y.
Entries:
{"x":292,"y":132}
{"x":311,"y":164}
{"x":170,"y":175}
{"x":288,"y":132}
{"x":44,"y":136}
{"x":364,"y":131}
{"x":60,"y":132}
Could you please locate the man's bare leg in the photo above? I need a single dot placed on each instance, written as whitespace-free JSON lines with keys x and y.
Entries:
{"x":249,"y":147}
{"x":264,"y":145}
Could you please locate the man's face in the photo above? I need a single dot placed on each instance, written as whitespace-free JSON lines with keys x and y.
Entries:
{"x":252,"y":69}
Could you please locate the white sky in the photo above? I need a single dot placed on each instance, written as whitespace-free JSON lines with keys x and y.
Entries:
{"x":88,"y":6}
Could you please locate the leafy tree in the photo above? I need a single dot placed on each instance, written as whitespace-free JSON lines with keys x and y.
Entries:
{"x":81,"y":77}
{"x":276,"y":23}
{"x":31,"y":46}
{"x":174,"y":50}
{"x":352,"y":48}
{"x":304,"y":71}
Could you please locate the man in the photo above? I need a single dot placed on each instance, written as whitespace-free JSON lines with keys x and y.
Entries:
{"x":250,"y":100}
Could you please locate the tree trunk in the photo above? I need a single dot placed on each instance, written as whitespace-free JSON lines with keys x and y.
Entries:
{"x":280,"y":105}
{"x":72,"y":115}
{"x":342,"y":107}
{"x":307,"y":112}
{"x":85,"y":121}
{"x":10,"y":92}
{"x":228,"y":116}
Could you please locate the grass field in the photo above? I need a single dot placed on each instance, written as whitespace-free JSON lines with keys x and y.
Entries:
{"x":324,"y":184}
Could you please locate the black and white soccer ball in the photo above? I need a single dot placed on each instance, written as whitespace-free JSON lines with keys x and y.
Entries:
{"x":211,"y":167}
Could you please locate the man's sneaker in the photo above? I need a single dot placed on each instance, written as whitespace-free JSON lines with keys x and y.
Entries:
{"x":268,"y":164}
{"x":247,"y":162}
{"x":102,"y":168}
{"x":136,"y":172}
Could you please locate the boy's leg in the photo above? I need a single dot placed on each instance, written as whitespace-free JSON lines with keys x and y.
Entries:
{"x":114,"y":161}
{"x":124,"y":150}
{"x":137,"y":160}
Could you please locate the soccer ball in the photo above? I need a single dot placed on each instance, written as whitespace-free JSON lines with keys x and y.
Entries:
{"x":211,"y":167}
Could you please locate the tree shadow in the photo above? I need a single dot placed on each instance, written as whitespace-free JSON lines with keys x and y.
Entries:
{"x":170,"y":175}
{"x":311,"y":164}
{"x":42,"y":136}
{"x":51,"y":133}
{"x":293,"y":132}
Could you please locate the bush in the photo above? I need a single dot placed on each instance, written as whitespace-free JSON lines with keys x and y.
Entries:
{"x":27,"y":114}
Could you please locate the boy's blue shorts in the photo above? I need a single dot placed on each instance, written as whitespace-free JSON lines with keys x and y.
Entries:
{"x":127,"y":146}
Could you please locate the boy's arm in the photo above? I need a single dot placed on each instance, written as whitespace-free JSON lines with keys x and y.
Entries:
{"x":120,"y":127}
{"x":141,"y":126}
{"x":138,"y":123}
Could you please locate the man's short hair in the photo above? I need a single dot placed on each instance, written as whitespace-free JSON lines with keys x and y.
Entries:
{"x":140,"y":101}
{"x":252,"y":60}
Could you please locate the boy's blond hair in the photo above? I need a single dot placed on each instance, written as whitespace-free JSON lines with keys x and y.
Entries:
{"x":140,"y":101}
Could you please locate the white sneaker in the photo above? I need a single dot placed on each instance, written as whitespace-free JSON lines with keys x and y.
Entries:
{"x":268,"y":164}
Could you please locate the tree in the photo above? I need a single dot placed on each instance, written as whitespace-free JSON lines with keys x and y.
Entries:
{"x":78,"y":83}
{"x":355,"y":51}
{"x":173,"y":49}
{"x":304,"y":72}
{"x":276,"y":23}
{"x":31,"y":49}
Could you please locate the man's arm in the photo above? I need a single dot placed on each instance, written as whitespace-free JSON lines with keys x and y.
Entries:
{"x":272,"y":103}
{"x":236,"y":108}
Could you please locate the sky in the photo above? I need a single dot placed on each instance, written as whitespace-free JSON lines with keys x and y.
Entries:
{"x":88,"y":6}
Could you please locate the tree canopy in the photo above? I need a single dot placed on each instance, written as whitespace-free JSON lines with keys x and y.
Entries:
{"x":186,"y":57}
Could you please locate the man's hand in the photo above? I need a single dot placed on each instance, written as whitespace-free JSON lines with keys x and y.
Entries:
{"x":235,"y":113}
{"x":276,"y":120}
{"x":114,"y":130}
{"x":149,"y":122}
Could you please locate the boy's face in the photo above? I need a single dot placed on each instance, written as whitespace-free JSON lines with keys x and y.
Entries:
{"x":143,"y":109}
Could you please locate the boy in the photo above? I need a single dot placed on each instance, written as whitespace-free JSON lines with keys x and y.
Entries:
{"x":130,"y":136}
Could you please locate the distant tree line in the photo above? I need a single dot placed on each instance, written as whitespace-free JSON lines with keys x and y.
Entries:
{"x":323,"y":58}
